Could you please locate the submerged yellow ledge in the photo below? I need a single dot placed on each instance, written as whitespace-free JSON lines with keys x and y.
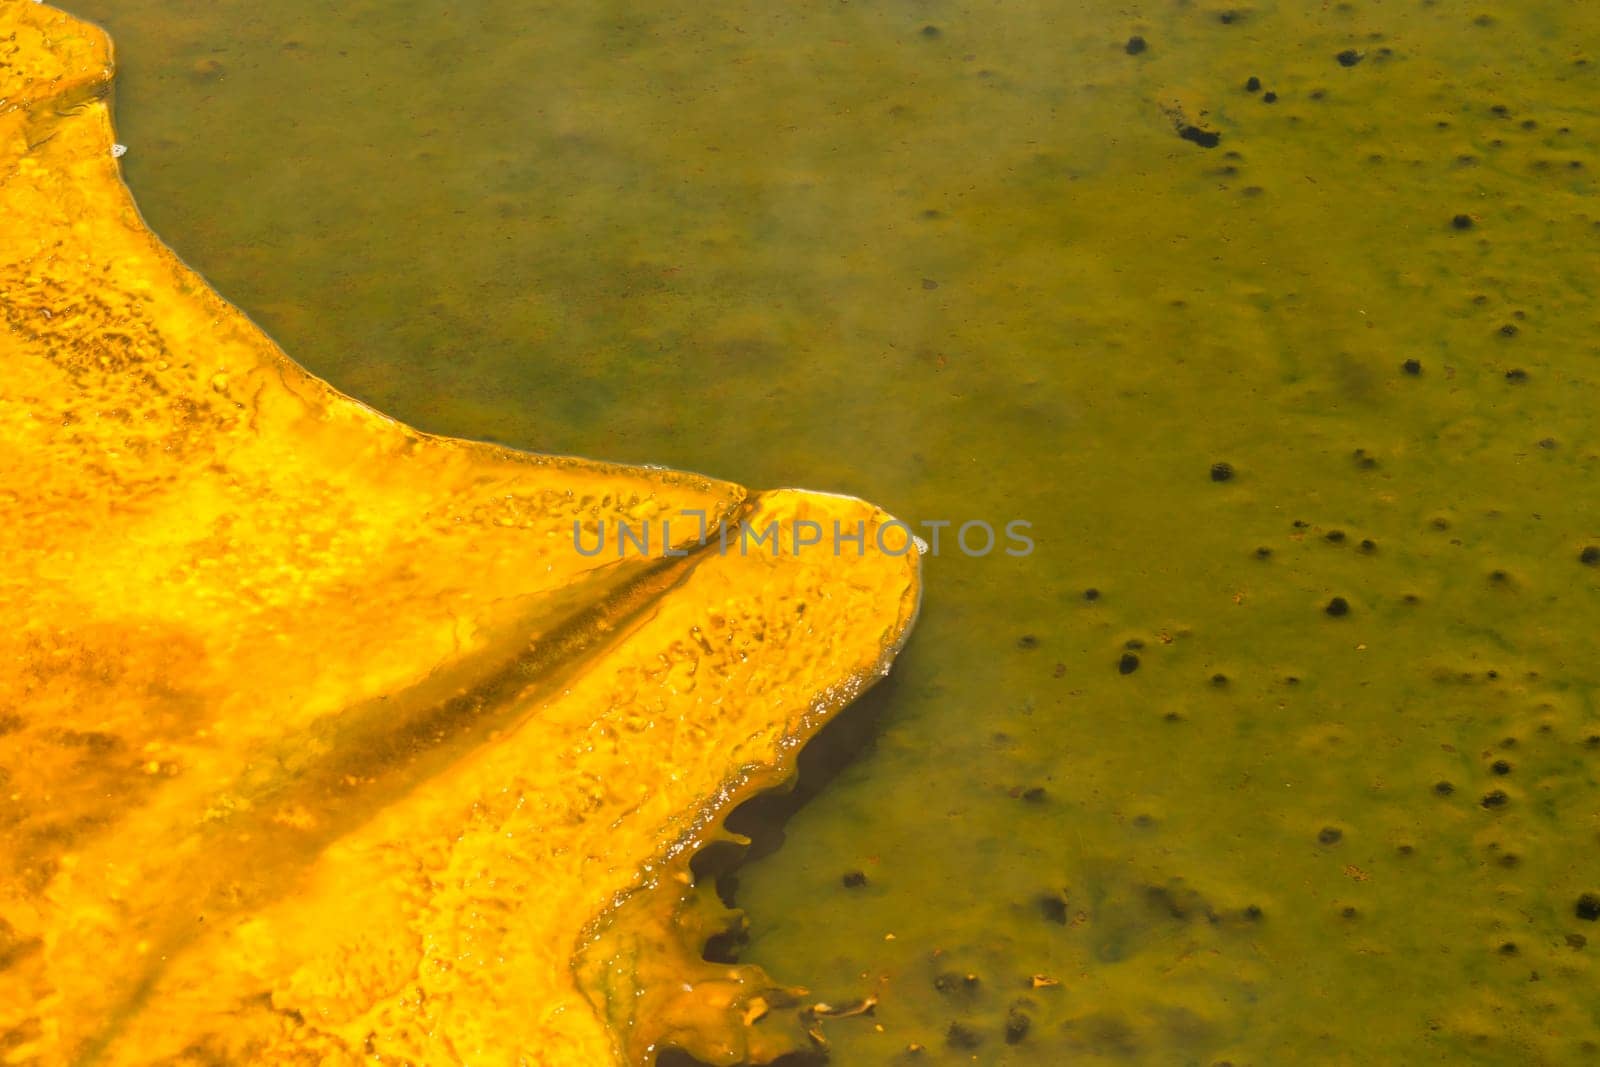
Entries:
{"x":320,"y":741}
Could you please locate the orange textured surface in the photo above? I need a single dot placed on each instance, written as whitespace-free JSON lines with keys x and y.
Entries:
{"x":319,"y":739}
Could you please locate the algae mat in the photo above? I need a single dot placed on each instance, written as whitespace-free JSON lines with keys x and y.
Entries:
{"x":960,"y":259}
{"x":324,"y":740}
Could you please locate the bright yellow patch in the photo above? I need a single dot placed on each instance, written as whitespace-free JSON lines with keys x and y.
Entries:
{"x":321,"y":739}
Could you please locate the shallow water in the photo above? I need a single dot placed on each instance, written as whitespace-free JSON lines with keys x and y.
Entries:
{"x":958,"y":260}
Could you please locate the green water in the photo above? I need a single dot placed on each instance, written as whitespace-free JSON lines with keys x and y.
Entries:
{"x":956,"y":259}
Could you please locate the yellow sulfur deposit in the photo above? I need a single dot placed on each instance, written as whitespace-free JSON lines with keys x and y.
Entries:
{"x":323,"y":740}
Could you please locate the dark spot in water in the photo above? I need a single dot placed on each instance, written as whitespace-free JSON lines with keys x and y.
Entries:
{"x":1500,"y":766}
{"x":1510,"y":330}
{"x":960,"y":1035}
{"x":1499,"y":577}
{"x":1053,"y":908}
{"x":1222,"y":472}
{"x":1091,"y":594}
{"x":1576,"y":941}
{"x":1135,"y":45}
{"x":1058,"y":671}
{"x":1219,"y":680}
{"x":1334,"y":537}
{"x":1263,"y":552}
{"x":1508,"y":948}
{"x":1443,"y":789}
{"x":1027,"y":641}
{"x":1462,"y":222}
{"x":1269,"y":97}
{"x":1203,"y":138}
{"x":1368,"y":545}
{"x":1495,"y":798}
{"x":1348,"y":58}
{"x":1252,"y":84}
{"x":94,"y":741}
{"x":1412,"y":366}
{"x":929,"y":283}
{"x":1588,"y":907}
{"x":854,"y":879}
{"x":1590,"y":556}
{"x":948,"y":982}
{"x":1034,"y":794}
{"x":1500,"y":110}
{"x":1330,"y":835}
{"x":1017,"y":1025}
{"x":1253,"y":913}
{"x":1337,"y":607}
{"x":1128,"y":663}
{"x":930,"y":31}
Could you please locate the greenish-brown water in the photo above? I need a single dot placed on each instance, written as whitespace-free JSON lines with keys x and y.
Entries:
{"x":960,"y":261}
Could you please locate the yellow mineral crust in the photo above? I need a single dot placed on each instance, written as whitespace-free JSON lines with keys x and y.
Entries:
{"x":321,"y":741}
